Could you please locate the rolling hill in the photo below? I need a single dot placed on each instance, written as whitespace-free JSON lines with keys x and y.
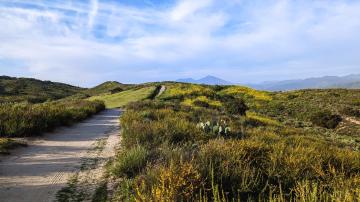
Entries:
{"x":107,"y":87}
{"x":32,"y":90}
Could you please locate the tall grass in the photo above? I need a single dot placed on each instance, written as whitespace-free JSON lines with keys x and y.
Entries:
{"x":20,"y":120}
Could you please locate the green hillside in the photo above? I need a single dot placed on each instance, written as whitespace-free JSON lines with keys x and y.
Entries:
{"x":33,"y":90}
{"x":122,"y":98}
{"x":232,"y":143}
{"x":107,"y":87}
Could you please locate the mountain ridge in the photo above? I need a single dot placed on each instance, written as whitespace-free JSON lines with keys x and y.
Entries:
{"x":349,"y":81}
{"x":209,"y":80}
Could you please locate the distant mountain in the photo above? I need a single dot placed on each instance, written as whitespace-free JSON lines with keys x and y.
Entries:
{"x":33,"y":90}
{"x":349,"y":81}
{"x":209,"y":80}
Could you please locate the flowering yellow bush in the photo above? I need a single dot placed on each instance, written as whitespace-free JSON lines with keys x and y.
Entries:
{"x":176,"y":182}
{"x":212,"y":103}
{"x":236,"y":90}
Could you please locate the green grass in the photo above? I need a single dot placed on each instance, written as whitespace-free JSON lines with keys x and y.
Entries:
{"x":121,"y":99}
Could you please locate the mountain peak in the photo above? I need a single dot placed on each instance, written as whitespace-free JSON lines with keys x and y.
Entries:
{"x":209,"y":80}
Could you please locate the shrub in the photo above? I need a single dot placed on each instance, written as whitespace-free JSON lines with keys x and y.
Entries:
{"x":155,"y":92}
{"x":18,"y":120}
{"x":236,"y":106}
{"x":177,"y":182}
{"x":326,"y":119}
{"x":201,"y":103}
{"x":130,"y":162}
{"x":237,"y":165}
{"x":116,"y":90}
{"x":350,"y":111}
{"x":164,"y":126}
{"x":7,"y":144}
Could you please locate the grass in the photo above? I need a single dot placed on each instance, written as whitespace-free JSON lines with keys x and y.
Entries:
{"x":123,"y":98}
{"x":274,"y":153}
{"x":20,"y":120}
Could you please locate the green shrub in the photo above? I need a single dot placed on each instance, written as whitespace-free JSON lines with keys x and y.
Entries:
{"x":18,"y":120}
{"x":236,"y":165}
{"x":130,"y":162}
{"x":163,"y":126}
{"x":116,"y":90}
{"x":351,"y":111}
{"x":201,"y":103}
{"x":7,"y":144}
{"x":326,"y":119}
{"x":236,"y":106}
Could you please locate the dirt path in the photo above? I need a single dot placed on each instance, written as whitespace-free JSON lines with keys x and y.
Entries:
{"x":353,"y":120}
{"x":39,"y":171}
{"x":161,"y":91}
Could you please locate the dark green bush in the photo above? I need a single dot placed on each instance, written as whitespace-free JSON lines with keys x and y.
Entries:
{"x":116,"y":90}
{"x":201,"y":103}
{"x":350,"y":111}
{"x":236,"y":106}
{"x":326,"y":119}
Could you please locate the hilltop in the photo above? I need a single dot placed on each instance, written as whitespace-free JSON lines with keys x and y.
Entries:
{"x":107,"y":87}
{"x":33,"y":90}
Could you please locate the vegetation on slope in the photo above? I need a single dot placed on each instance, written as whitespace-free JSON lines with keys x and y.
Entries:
{"x":301,"y":109}
{"x":33,"y":90}
{"x":107,"y":87}
{"x":174,"y":149}
{"x":122,"y":98}
{"x":20,"y":120}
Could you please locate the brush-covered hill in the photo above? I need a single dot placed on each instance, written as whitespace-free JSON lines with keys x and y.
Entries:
{"x":226,"y":143}
{"x":33,"y":90}
{"x":107,"y":87}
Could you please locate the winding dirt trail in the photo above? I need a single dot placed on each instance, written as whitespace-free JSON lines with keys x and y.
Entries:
{"x":353,"y":120}
{"x":37,"y":172}
{"x":161,"y":91}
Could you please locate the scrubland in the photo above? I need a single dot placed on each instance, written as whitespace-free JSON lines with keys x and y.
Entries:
{"x":229,"y":143}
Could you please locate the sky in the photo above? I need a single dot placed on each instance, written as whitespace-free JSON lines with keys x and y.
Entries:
{"x":86,"y":42}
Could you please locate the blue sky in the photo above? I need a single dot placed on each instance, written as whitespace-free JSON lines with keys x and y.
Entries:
{"x":86,"y":42}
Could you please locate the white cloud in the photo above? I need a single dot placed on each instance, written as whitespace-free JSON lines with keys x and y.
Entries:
{"x":94,"y":6}
{"x":187,"y":8}
{"x":102,"y":40}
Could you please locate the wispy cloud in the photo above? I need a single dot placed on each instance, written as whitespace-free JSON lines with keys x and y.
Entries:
{"x":243,"y":41}
{"x":94,"y":6}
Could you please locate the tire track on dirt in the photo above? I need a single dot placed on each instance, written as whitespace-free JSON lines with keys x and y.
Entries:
{"x":39,"y":171}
